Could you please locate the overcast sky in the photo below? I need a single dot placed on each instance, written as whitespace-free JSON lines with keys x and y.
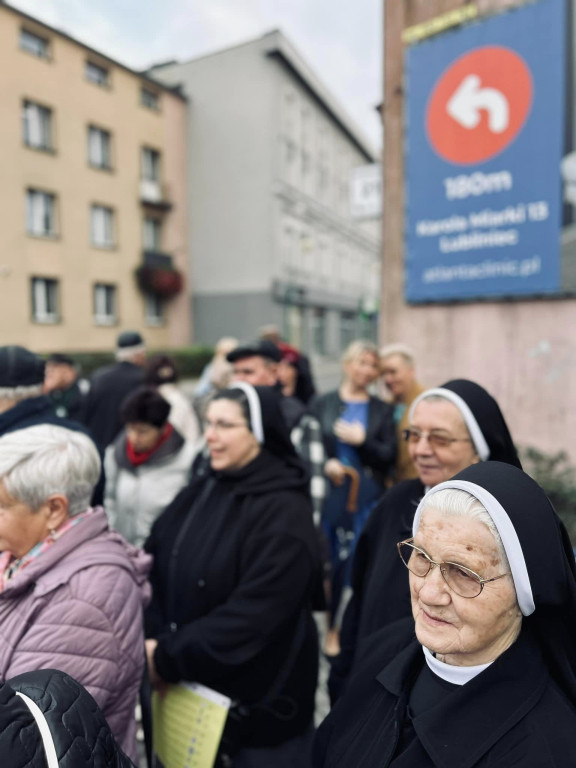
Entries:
{"x":342,"y":42}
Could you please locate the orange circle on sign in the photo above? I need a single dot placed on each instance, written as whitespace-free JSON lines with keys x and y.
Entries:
{"x":489,"y":95}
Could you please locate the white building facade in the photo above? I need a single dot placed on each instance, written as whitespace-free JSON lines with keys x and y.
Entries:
{"x":272,"y":239}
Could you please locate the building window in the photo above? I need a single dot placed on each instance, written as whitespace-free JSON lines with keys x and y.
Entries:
{"x":40,"y":213}
{"x":347,"y":329}
{"x":154,"y":309}
{"x":34,"y":44}
{"x":96,"y":74}
{"x":149,"y":99}
{"x":37,"y":126}
{"x":152,"y":235}
{"x":369,"y":327}
{"x":104,"y":304}
{"x":99,"y":146}
{"x":102,"y":226}
{"x":45,"y":300}
{"x":150,"y":164}
{"x":318,"y":330}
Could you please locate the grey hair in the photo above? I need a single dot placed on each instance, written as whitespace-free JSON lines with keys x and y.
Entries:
{"x":43,"y":460}
{"x":398,"y":348}
{"x":127,"y":354}
{"x":20,"y":393}
{"x":453,"y":502}
{"x":357,"y":348}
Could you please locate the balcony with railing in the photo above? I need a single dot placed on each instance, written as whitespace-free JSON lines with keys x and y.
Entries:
{"x":154,"y":195}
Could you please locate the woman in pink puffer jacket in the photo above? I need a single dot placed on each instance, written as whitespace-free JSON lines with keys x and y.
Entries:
{"x":71,"y":591}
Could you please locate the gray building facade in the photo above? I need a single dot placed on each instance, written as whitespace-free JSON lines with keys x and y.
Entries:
{"x":271,"y":237}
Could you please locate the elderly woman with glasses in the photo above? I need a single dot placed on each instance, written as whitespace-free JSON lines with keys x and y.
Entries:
{"x":236,"y":571}
{"x":450,"y":428}
{"x":484,"y":674}
{"x":71,"y":591}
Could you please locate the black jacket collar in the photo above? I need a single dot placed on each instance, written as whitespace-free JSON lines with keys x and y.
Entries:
{"x":466,"y":724}
{"x":30,"y":408}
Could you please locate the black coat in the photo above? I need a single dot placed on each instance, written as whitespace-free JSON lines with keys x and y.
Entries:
{"x":108,"y":388}
{"x":34,"y":411}
{"x":71,"y":402}
{"x":41,"y":410}
{"x":512,"y":714}
{"x":235,"y":571}
{"x":379,"y":578}
{"x":378,"y":451}
{"x":81,"y":735}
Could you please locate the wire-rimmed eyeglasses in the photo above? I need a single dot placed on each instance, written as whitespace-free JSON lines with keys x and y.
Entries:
{"x":436,"y":439}
{"x":459,"y":579}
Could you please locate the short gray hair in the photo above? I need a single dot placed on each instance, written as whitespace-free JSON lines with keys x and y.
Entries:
{"x":453,"y":502}
{"x":398,"y":348}
{"x":43,"y":460}
{"x":127,"y":354}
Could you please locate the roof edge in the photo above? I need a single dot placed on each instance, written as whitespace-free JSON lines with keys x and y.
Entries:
{"x":277,"y":44}
{"x":173,"y":90}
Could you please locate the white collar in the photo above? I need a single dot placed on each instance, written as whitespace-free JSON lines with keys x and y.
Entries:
{"x":450,"y":673}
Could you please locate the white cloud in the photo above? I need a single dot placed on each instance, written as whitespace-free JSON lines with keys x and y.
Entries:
{"x":341,"y":43}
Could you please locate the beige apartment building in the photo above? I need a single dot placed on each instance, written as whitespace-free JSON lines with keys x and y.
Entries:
{"x":93,"y":227}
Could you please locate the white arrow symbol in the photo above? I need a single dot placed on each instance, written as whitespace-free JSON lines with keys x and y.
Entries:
{"x":469,"y":98}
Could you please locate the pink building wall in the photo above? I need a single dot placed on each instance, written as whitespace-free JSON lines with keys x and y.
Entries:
{"x":524,"y":353}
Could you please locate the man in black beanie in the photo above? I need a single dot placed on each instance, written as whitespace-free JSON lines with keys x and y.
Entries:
{"x":110,"y":385}
{"x":22,"y":402}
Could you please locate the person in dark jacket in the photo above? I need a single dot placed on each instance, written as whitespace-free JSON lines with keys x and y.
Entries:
{"x":359,"y":438}
{"x":111,"y":384}
{"x":259,"y":363}
{"x":305,"y":388}
{"x":64,"y":387}
{"x":235,"y":574}
{"x":484,"y":674}
{"x":78,"y":731}
{"x":450,"y":427}
{"x":74,"y":727}
{"x":22,"y":402}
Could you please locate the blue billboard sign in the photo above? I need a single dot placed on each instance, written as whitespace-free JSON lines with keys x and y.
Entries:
{"x":484,"y":144}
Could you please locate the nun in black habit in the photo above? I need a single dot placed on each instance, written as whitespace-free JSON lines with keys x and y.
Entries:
{"x":236,"y":571}
{"x":467,"y":419}
{"x":484,"y":675}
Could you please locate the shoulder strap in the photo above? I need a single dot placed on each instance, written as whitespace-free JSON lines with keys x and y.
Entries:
{"x":44,"y":728}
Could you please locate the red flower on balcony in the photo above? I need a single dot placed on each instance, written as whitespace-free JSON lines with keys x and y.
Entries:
{"x":164,"y":281}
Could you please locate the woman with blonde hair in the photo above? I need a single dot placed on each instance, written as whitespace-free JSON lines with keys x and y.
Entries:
{"x":360,"y":443}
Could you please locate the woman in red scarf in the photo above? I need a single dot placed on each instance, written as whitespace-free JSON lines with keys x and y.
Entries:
{"x":145,"y":467}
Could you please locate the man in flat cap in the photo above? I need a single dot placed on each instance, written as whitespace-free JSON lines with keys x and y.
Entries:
{"x":258,"y":363}
{"x":64,"y":387}
{"x":110,"y":385}
{"x":22,"y":402}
